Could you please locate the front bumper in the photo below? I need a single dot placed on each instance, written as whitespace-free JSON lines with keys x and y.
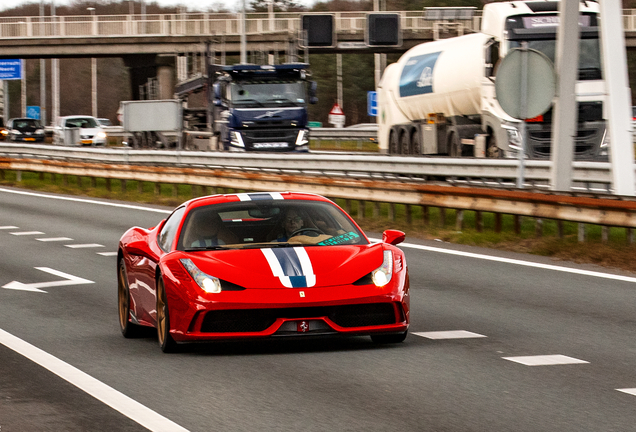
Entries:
{"x":268,"y":140}
{"x":263,"y":313}
{"x":28,"y":138}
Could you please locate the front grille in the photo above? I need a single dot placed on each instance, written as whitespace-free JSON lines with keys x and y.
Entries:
{"x":278,"y":134}
{"x":258,"y":320}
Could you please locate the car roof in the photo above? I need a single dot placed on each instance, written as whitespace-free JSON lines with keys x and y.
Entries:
{"x":253,"y":196}
{"x":77,"y":116}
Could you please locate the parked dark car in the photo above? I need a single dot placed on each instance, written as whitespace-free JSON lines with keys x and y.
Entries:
{"x":25,"y":130}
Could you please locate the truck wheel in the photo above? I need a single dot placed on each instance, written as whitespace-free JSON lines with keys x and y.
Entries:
{"x":394,"y":145}
{"x":454,"y":145}
{"x":416,"y":144}
{"x":404,"y":144}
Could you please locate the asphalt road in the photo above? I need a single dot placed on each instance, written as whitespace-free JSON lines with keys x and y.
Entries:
{"x":64,"y":365}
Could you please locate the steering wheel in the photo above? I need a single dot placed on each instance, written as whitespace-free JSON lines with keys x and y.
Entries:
{"x":308,"y":229}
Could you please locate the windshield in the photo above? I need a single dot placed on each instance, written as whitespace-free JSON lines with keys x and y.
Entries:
{"x":83,"y":122}
{"x":589,"y":55}
{"x":26,"y":123}
{"x":267,"y":224}
{"x":268,"y":93}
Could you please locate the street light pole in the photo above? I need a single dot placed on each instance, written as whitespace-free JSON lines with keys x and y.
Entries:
{"x":55,"y":73}
{"x":42,"y":71}
{"x":93,"y":71}
{"x":243,"y":37}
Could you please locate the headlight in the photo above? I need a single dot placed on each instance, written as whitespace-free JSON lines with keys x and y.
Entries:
{"x":39,"y":131}
{"x":16,"y":132}
{"x":302,"y":137}
{"x":382,"y":275}
{"x":208,"y":283}
{"x":101,"y":134}
{"x":237,"y":139}
{"x":514,"y":137}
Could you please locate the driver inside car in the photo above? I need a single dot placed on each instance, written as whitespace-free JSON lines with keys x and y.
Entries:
{"x":291,"y":222}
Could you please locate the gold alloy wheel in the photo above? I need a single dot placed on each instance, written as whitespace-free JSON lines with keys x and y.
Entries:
{"x":123,"y":296}
{"x":161,"y":312}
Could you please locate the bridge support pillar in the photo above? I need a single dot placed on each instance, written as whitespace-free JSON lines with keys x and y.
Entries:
{"x":145,"y":68}
{"x":165,"y":77}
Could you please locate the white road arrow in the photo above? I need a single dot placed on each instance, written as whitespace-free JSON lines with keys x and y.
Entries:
{"x":35,"y":287}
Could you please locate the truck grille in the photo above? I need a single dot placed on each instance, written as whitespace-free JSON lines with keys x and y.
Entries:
{"x":258,"y":320}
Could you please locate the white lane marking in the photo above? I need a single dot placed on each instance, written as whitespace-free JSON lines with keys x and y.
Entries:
{"x":100,"y":391}
{"x":518,"y":262}
{"x":54,"y":239}
{"x":84,"y":246}
{"x":26,"y":233}
{"x":450,"y":334}
{"x":8,"y":227}
{"x":107,"y":253}
{"x":407,"y":245}
{"x":87,"y":201}
{"x":545,"y":360}
{"x":35,"y":287}
{"x":631,"y":391}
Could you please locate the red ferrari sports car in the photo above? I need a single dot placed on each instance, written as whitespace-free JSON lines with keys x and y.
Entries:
{"x":258,"y":265}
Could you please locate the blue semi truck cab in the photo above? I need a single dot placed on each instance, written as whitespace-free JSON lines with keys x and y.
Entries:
{"x":261,"y":107}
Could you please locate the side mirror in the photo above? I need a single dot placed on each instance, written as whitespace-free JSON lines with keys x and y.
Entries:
{"x":313,"y":100}
{"x":140,"y":247}
{"x":393,"y":237}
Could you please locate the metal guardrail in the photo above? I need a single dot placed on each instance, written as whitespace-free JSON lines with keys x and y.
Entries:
{"x":501,"y":173}
{"x":212,"y":24}
{"x":599,"y":210}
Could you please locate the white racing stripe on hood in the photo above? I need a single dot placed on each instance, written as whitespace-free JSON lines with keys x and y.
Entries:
{"x":292,"y":266}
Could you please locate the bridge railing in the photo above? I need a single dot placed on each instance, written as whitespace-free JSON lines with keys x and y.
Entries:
{"x":195,"y":24}
{"x":216,"y":24}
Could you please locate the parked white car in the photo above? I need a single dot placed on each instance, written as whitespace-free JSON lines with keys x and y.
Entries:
{"x":79,"y":130}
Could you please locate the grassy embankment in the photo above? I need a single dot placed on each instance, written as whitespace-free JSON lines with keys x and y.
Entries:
{"x":616,"y":252}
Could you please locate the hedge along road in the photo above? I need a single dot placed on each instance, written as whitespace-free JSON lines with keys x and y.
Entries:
{"x":517,"y":309}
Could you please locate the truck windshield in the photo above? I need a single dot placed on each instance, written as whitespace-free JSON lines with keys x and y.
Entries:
{"x":589,"y":55}
{"x":268,"y":94}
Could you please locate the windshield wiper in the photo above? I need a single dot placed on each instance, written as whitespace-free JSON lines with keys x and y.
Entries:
{"x":207,"y":248}
{"x":282,"y":100}
{"x":248,"y":101}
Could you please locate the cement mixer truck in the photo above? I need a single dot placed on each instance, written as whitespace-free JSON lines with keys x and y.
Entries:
{"x":439,"y":98}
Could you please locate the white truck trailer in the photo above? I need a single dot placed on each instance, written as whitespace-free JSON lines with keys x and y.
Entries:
{"x":439,"y":98}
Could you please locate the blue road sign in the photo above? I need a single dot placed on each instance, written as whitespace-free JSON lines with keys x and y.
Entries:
{"x":10,"y":69}
{"x":33,"y":112}
{"x":372,"y":103}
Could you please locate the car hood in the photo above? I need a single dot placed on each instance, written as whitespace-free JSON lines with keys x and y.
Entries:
{"x":92,"y":131}
{"x":297,"y":267}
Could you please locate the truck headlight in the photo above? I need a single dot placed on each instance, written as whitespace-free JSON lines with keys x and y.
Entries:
{"x":514,"y":137}
{"x":382,"y":275}
{"x":236,"y":139}
{"x":302,"y":137}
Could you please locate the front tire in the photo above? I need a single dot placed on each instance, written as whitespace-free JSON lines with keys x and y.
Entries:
{"x":128,"y":329}
{"x":389,"y":338}
{"x":166,"y":342}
